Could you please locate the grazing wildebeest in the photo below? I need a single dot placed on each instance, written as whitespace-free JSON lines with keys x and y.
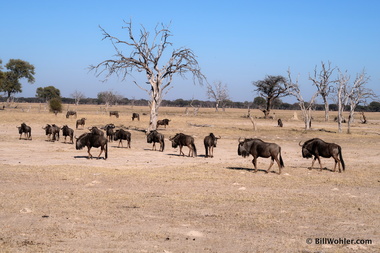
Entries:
{"x":163,"y":122}
{"x":279,"y":122}
{"x":90,"y":140}
{"x":52,"y":130}
{"x":319,"y":148}
{"x":27,"y":130}
{"x":67,"y":131}
{"x":258,"y":148}
{"x":115,"y":113}
{"x":121,"y":135}
{"x":96,"y":131}
{"x":71,"y":113}
{"x":210,"y":142}
{"x":81,"y":122}
{"x":109,"y":131}
{"x":135,"y":116}
{"x":154,"y":137}
{"x":181,"y":140}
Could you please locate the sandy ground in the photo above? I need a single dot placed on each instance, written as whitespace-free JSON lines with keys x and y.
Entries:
{"x":54,"y":199}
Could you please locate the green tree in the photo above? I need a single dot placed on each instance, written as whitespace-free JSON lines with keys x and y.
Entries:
{"x":270,"y":88}
{"x":55,"y":105}
{"x":10,"y":80}
{"x":48,"y":93}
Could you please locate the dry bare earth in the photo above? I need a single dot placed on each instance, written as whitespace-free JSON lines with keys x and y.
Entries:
{"x":54,"y":199}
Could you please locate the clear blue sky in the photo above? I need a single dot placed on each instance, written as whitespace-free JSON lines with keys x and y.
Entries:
{"x":236,"y":42}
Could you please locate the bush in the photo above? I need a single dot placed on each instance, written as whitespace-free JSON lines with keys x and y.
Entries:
{"x":55,"y":105}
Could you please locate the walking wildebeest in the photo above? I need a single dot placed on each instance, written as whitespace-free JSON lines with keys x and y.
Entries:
{"x":258,"y":148}
{"x":115,"y":113}
{"x":121,"y":135}
{"x":67,"y":131}
{"x":90,"y":140}
{"x":210,"y":142}
{"x":27,"y":130}
{"x":80,"y":122}
{"x":163,"y":122}
{"x":96,"y":131}
{"x":71,"y":113}
{"x":52,"y":130}
{"x":135,"y":116}
{"x":319,"y":148}
{"x":109,"y":131}
{"x":181,"y":140}
{"x":154,"y":137}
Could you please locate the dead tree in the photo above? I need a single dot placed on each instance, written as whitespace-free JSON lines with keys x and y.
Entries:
{"x":146,"y":55}
{"x":322,"y":80}
{"x":218,"y":93}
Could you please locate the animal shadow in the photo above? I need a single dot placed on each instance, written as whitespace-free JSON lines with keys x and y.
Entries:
{"x":318,"y":169}
{"x":86,"y":157}
{"x":250,"y":170}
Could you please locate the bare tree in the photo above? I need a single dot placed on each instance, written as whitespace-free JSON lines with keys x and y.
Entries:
{"x":219,"y":93}
{"x":322,"y":80}
{"x":358,"y":94}
{"x":109,"y":98}
{"x":342,"y":96}
{"x":306,"y":108}
{"x":147,"y":56}
{"x":78,"y":96}
{"x":270,"y":88}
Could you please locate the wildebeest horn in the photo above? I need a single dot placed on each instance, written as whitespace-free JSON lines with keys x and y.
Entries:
{"x":239,"y":139}
{"x":300,"y":144}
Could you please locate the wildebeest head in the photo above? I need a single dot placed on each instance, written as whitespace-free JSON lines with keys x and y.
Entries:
{"x":82,"y":141}
{"x":175,"y":140}
{"x":151,"y":136}
{"x":306,"y":149}
{"x":244,"y":147}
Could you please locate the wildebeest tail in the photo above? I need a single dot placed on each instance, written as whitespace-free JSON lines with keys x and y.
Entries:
{"x":341,"y":157}
{"x":206,"y":148}
{"x":281,"y":161}
{"x":195,"y":149}
{"x":106,"y":155}
{"x":163,"y":145}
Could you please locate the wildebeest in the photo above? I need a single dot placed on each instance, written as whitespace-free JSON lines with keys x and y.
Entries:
{"x":319,"y":148}
{"x":135,"y":116}
{"x":210,"y":142}
{"x":154,"y":137}
{"x":96,"y":131}
{"x":90,"y":140}
{"x":71,"y":113}
{"x":109,"y":131}
{"x":115,"y":113}
{"x":181,"y":140}
{"x":80,"y":122}
{"x":258,"y":148}
{"x":27,"y":130}
{"x":163,"y":122}
{"x":52,"y":130}
{"x":121,"y":135}
{"x":67,"y":131}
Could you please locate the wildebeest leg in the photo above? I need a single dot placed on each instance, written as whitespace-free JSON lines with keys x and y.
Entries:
{"x":180,"y":151}
{"x":89,"y":154}
{"x":120,"y":142}
{"x":254,"y":161}
{"x":211,"y":151}
{"x":279,"y":165}
{"x":337,"y":161}
{"x":154,"y":146}
{"x":129,"y":144}
{"x":312,"y":163}
{"x":101,"y":151}
{"x":270,"y":165}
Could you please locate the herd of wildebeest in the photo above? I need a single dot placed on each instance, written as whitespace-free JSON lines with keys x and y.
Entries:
{"x":314,"y":148}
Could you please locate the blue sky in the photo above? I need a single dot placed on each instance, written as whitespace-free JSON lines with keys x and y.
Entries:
{"x":237,"y":42}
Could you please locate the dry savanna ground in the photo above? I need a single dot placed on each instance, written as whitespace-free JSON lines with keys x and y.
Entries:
{"x":54,"y":199}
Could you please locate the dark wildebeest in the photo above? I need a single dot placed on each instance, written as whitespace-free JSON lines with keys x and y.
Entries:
{"x":115,"y":113}
{"x":181,"y":140}
{"x":121,"y":135}
{"x":81,"y":122}
{"x":71,"y":113}
{"x":163,"y":122}
{"x":67,"y":131}
{"x":154,"y":137}
{"x":210,"y":142}
{"x":319,"y":148}
{"x":135,"y":116}
{"x":96,"y":131}
{"x":52,"y":130}
{"x":27,"y":130}
{"x":109,"y":131}
{"x":258,"y":148}
{"x":90,"y":140}
{"x":279,"y":122}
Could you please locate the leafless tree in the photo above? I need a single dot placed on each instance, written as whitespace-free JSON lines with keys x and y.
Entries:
{"x":219,"y":93}
{"x":322,"y":80}
{"x":271,"y":88}
{"x":342,"y":96}
{"x":78,"y":96}
{"x":109,"y":97}
{"x":146,"y":55}
{"x":306,"y":108}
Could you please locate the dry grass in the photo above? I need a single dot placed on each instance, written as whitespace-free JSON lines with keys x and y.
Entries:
{"x":53,"y":199}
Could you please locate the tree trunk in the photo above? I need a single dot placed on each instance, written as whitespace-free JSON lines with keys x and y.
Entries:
{"x":153,"y":115}
{"x":326,"y":109}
